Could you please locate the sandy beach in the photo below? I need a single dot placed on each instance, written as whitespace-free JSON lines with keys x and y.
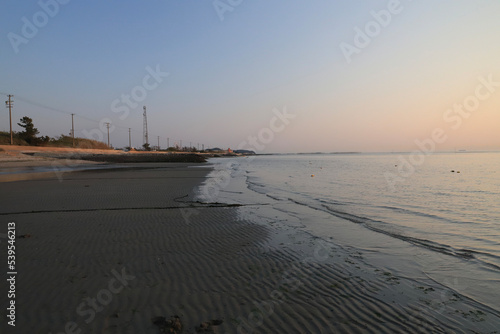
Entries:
{"x":18,"y":163}
{"x":250,"y":167}
{"x":129,"y":251}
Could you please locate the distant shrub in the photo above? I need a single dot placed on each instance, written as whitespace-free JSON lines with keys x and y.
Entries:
{"x":5,"y":139}
{"x":67,"y":141}
{"x":61,"y":141}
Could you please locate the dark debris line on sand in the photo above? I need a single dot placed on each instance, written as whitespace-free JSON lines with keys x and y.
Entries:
{"x":174,"y":325}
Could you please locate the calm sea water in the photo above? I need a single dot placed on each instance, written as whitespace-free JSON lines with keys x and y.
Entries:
{"x":426,"y":222}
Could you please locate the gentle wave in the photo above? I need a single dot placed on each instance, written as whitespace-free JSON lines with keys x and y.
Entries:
{"x":466,"y":254}
{"x":416,"y":213}
{"x":278,"y":192}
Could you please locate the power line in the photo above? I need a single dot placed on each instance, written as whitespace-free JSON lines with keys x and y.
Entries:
{"x":41,"y":105}
{"x":37,"y":104}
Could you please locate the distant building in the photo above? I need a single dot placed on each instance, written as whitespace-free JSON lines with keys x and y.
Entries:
{"x":215,"y":150}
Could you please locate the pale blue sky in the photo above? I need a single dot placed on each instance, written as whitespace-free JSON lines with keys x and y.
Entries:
{"x":226,"y":77}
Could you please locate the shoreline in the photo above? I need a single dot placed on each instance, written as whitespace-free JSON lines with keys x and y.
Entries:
{"x":110,"y":250}
{"x":18,"y":163}
{"x":363,"y":251}
{"x":15,"y":153}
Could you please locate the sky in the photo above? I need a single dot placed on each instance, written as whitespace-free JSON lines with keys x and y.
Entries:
{"x":266,"y":75}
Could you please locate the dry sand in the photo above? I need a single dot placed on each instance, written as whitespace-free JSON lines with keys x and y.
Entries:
{"x":20,"y":148}
{"x":24,"y":157}
{"x":111,"y":251}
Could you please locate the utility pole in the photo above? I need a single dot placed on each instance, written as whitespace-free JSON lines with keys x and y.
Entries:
{"x":168,"y":143}
{"x":129,"y":140}
{"x":145,"y":127}
{"x":107,"y":126}
{"x":181,"y":144}
{"x":9,"y":104}
{"x":158,"y":143}
{"x":73,"y":129}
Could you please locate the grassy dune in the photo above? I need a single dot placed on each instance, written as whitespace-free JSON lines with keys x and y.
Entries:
{"x":62,"y":141}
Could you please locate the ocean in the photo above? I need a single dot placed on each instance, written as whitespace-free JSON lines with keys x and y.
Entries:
{"x":435,"y":218}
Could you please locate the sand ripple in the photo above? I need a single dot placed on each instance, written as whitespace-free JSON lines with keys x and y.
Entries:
{"x":214,"y":265}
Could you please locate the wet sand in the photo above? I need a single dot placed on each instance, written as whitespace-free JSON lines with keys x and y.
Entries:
{"x":113,"y":251}
{"x":18,"y":163}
